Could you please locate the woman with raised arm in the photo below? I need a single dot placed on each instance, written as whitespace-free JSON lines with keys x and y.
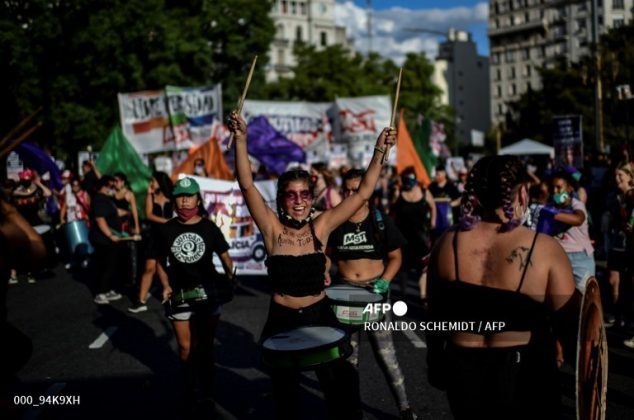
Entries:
{"x":295,"y":242}
{"x":489,"y":270}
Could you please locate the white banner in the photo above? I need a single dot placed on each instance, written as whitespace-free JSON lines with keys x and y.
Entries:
{"x":305,"y":123}
{"x":358,"y":124}
{"x":228,"y":210}
{"x":152,"y":123}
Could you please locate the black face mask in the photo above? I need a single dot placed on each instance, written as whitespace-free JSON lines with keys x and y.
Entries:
{"x":287,"y":220}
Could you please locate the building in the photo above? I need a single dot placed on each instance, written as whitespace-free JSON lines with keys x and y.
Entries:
{"x":525,"y":35}
{"x":463,"y":77}
{"x":309,"y":21}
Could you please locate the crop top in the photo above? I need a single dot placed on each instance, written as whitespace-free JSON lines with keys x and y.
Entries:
{"x":297,"y":275}
{"x":367,"y":239}
{"x":461,"y":301}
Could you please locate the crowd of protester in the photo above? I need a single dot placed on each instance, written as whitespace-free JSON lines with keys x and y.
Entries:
{"x":589,"y":211}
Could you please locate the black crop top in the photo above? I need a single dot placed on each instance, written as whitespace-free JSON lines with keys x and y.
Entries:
{"x":461,"y":301}
{"x":297,"y":275}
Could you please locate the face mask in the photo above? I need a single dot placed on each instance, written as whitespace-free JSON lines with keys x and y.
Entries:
{"x":199,"y":170}
{"x":561,"y":198}
{"x":186,"y":214}
{"x":287,"y":220}
{"x":409,"y":183}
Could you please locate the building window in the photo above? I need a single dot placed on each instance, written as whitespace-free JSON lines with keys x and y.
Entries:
{"x":496,"y":58}
{"x":512,"y":73}
{"x":298,"y":33}
{"x":500,"y":109}
{"x":280,"y":57}
{"x":526,"y":53}
{"x":498,"y":91}
{"x":284,"y":7}
{"x":302,"y":7}
{"x":280,"y":31}
{"x":498,"y":74}
{"x":324,"y":39}
{"x":617,"y":4}
{"x":618,"y":21}
{"x":513,"y":89}
{"x":527,"y":17}
{"x":293,"y":7}
{"x":527,"y":70}
{"x":510,"y":56}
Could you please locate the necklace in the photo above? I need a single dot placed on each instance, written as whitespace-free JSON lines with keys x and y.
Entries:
{"x":358,"y":228}
{"x":360,"y":222}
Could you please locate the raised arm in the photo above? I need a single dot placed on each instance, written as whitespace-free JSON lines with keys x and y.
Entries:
{"x":135,"y":212}
{"x":330,"y":219}
{"x":263,"y":216}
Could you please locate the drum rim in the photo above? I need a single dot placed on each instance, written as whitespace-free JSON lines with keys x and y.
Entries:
{"x":299,"y":351}
{"x":340,"y":302}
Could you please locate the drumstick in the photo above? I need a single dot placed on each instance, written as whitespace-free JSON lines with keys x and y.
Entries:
{"x":244,"y":95}
{"x":386,"y":155}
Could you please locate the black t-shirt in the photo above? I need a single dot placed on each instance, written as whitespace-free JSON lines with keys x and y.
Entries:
{"x":88,"y":182}
{"x":449,"y":190}
{"x":355,"y":241}
{"x":186,"y":252}
{"x":103,"y":206}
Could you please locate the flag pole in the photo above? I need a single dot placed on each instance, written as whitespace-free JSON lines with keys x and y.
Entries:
{"x":244,"y":95}
{"x":386,"y":156}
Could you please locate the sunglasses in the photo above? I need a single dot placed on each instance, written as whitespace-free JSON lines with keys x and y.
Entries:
{"x":298,"y":195}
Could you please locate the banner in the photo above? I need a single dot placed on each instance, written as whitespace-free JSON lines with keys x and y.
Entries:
{"x":358,"y":123}
{"x":228,"y":210}
{"x":192,"y":111}
{"x":304,"y":123}
{"x":154,"y":121}
{"x":568,"y":141}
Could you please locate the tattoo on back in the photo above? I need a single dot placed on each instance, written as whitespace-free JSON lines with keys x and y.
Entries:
{"x":521,"y":253}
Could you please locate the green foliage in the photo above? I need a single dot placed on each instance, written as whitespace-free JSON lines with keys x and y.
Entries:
{"x":569,"y":89}
{"x":72,"y":58}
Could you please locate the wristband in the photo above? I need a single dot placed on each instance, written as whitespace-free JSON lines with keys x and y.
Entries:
{"x":378,"y":149}
{"x":381,"y":286}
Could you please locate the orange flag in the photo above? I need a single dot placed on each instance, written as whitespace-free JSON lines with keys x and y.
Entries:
{"x":215,"y":164}
{"x":406,"y":153}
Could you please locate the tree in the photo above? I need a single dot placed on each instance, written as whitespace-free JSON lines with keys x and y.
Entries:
{"x":73,"y":57}
{"x":569,"y":89}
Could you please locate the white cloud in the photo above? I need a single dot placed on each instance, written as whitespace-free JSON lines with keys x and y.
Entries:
{"x":390,"y":36}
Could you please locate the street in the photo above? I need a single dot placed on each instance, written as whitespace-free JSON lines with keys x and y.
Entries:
{"x":113,"y":364}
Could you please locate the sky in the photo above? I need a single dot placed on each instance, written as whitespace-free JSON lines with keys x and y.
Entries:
{"x":392,"y":21}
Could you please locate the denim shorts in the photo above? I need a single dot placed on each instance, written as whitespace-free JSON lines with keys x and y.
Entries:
{"x":583,"y":267}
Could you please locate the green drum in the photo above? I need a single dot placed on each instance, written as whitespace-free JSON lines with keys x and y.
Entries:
{"x":349,"y":302}
{"x":305,"y":347}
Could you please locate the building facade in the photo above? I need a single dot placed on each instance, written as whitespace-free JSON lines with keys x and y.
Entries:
{"x":463,"y":77}
{"x":525,"y":35}
{"x":309,"y":21}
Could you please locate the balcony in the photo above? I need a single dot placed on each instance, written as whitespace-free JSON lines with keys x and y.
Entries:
{"x":531,"y":26}
{"x":281,"y":42}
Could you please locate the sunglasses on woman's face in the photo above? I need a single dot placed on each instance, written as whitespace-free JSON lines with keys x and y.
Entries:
{"x":302,"y":195}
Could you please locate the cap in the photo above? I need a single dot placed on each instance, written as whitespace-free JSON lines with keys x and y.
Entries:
{"x":186,"y":186}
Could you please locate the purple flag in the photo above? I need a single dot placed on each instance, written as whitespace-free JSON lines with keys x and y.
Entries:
{"x":38,"y":160}
{"x":270,"y":147}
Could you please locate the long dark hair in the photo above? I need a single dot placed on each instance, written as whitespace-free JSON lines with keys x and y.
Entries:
{"x":282,"y":182}
{"x":165,"y":183}
{"x":492,"y":183}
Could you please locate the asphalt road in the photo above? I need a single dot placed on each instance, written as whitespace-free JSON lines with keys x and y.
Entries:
{"x":116,"y":365}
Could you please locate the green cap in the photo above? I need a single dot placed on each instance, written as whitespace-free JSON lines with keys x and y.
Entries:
{"x":186,"y":186}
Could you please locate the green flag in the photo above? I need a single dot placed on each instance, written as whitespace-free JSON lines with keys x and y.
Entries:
{"x":420,"y":138}
{"x":118,"y":155}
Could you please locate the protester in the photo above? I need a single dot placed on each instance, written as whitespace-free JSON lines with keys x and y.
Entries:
{"x":359,"y":247}
{"x":90,"y":175}
{"x":20,"y":247}
{"x":296,"y":263}
{"x":324,"y":187}
{"x":576,"y":240}
{"x":184,"y":248}
{"x":486,"y":269}
{"x":105,"y":235}
{"x":415,"y":215}
{"x":29,"y":196}
{"x":199,"y":168}
{"x":75,"y":203}
{"x":158,"y":210}
{"x":125,"y":201}
{"x":447,"y":199}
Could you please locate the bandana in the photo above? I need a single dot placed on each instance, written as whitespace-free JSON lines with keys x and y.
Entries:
{"x":287,"y":220}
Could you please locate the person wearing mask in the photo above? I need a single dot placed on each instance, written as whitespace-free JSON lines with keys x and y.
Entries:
{"x":105,"y":235}
{"x":366,"y":250}
{"x":490,"y":268}
{"x":447,"y":199}
{"x":159,"y":208}
{"x":576,"y":239}
{"x":185,"y":246}
{"x":415,"y":215}
{"x":199,"y":168}
{"x":324,"y":187}
{"x":294,"y":239}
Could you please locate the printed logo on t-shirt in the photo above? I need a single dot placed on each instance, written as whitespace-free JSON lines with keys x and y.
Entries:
{"x":354,"y":238}
{"x":188,"y":247}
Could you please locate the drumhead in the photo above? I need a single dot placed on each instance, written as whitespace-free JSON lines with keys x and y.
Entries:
{"x":304,"y":338}
{"x":352,"y":294}
{"x":42,"y":229}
